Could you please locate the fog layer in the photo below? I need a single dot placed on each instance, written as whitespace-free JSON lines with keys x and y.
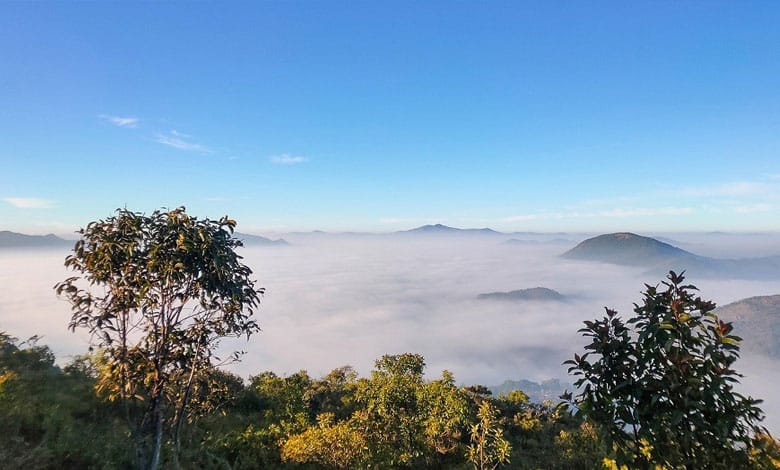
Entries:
{"x":332,"y":301}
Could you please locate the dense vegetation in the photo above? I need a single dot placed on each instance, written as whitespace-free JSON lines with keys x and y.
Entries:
{"x":60,"y":417}
{"x":159,"y":292}
{"x":660,"y":386}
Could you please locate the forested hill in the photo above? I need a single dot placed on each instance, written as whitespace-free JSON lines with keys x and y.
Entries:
{"x":532,"y":294}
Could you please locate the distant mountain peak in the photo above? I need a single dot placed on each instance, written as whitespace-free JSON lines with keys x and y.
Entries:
{"x":630,"y":249}
{"x":446,"y":229}
{"x":534,"y":293}
{"x":627,"y":248}
{"x":434,"y":228}
{"x":625,"y":235}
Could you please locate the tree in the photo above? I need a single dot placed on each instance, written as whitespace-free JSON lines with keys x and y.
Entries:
{"x":488,"y":448}
{"x":328,"y":444}
{"x":158,"y":293}
{"x":660,"y":387}
{"x":393,"y":419}
{"x":392,"y":410}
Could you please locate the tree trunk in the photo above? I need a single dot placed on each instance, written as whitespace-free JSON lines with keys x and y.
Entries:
{"x":157,"y":417}
{"x":181,"y":411}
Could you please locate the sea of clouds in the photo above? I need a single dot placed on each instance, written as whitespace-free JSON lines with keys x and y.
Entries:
{"x":346,"y":300}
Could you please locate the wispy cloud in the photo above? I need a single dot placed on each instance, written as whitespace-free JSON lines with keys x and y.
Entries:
{"x":180,"y":141}
{"x":121,"y":121}
{"x":753,"y":208}
{"x":285,"y":159}
{"x":646,"y":212}
{"x":734,"y":188}
{"x":612,"y":213}
{"x":29,"y":202}
{"x":394,"y":220}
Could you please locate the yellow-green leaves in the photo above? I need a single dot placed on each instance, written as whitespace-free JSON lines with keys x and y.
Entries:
{"x":488,"y":448}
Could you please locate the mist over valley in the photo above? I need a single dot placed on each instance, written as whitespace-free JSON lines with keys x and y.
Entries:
{"x":347,"y":299}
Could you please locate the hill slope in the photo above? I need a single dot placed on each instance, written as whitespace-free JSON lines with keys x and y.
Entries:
{"x":534,"y":293}
{"x":757,"y":321}
{"x":256,"y":240}
{"x":629,"y":249}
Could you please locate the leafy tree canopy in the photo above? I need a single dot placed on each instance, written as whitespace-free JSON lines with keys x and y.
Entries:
{"x":157,"y":293}
{"x":660,"y":386}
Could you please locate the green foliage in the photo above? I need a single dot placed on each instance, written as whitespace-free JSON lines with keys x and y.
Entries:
{"x":329,"y":444}
{"x":393,"y":409}
{"x":158,"y":293}
{"x":544,"y":435}
{"x":447,"y":415}
{"x":660,"y":387}
{"x":249,"y":447}
{"x":578,"y":448}
{"x":397,"y":419}
{"x":284,"y":399}
{"x":410,"y":422}
{"x":488,"y":448}
{"x":55,"y":417}
{"x":334,"y":393}
{"x":50,"y":418}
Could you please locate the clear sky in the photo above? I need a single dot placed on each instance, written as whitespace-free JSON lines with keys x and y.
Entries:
{"x":378,"y":116}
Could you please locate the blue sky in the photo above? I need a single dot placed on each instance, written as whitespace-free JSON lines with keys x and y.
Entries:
{"x":378,"y":116}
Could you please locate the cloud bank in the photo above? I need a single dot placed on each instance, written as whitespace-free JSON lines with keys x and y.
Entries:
{"x":29,"y":202}
{"x":337,"y":300}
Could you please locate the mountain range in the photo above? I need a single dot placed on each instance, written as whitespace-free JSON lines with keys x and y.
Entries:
{"x":19,"y":240}
{"x":439,"y":229}
{"x":256,"y":240}
{"x":537,"y":391}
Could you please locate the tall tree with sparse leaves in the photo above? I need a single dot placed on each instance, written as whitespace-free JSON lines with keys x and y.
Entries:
{"x":660,"y":386}
{"x":158,"y":293}
{"x":488,"y":449}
